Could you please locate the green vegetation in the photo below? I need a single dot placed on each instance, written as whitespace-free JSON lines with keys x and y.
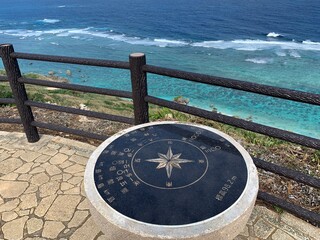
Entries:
{"x":279,"y":210}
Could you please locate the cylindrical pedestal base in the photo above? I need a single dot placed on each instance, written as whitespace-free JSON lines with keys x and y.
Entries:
{"x":169,"y":180}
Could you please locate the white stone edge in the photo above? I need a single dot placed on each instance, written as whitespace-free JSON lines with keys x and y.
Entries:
{"x":235,"y":211}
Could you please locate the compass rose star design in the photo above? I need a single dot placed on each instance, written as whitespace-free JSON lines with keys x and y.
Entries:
{"x":169,"y":161}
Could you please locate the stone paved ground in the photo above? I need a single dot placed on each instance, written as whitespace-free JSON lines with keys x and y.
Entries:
{"x":42,"y":195}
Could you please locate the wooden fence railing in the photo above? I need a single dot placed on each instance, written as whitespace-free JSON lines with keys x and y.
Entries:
{"x":139,"y":69}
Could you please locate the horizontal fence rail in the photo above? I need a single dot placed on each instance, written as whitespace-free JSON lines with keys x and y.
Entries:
{"x":10,"y":120}
{"x":80,"y":112}
{"x":7,"y":101}
{"x":288,"y":173}
{"x":305,"y":214}
{"x":76,"y":87}
{"x":139,"y":69}
{"x":71,"y":60}
{"x":59,"y":128}
{"x":237,"y":84}
{"x":251,"y":126}
{"x":3,"y":79}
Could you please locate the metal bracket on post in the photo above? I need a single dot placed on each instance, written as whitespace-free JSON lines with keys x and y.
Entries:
{"x":19,"y":91}
{"x":139,"y":88}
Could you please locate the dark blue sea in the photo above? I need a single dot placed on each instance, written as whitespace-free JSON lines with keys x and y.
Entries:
{"x":269,"y":42}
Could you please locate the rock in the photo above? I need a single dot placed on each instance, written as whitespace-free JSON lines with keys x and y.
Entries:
{"x":78,"y":219}
{"x":28,"y":201}
{"x":181,"y":100}
{"x":14,"y":229}
{"x":51,"y":229}
{"x":10,"y":205}
{"x":9,"y":216}
{"x":68,"y":72}
{"x":34,"y":225}
{"x":51,"y":73}
{"x":39,"y":179}
{"x":63,"y":208}
{"x":9,"y":189}
{"x":44,"y":205}
{"x":9,"y":165}
{"x":59,"y":158}
{"x":49,"y":188}
{"x":87,"y":231}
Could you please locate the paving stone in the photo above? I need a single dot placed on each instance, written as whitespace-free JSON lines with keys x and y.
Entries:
{"x":63,"y":208}
{"x":1,"y":201}
{"x":262,"y":229}
{"x":245,"y":232}
{"x":78,"y":159}
{"x":65,"y":186}
{"x":51,"y":229}
{"x":31,"y":189}
{"x":28,"y":201}
{"x":48,"y":151}
{"x":24,"y":177}
{"x":78,"y":218}
{"x":87,"y":153}
{"x":53,"y":146}
{"x":9,"y":216}
{"x":49,"y":188}
{"x":39,"y":179}
{"x":42,"y":159}
{"x":52,"y":170}
{"x":24,"y":168}
{"x":14,"y":229}
{"x":4,"y":156}
{"x":23,"y":212}
{"x":84,"y":205}
{"x":76,"y":168}
{"x":66,"y":164}
{"x":44,"y":205}
{"x":67,"y":150}
{"x":86,"y":232}
{"x":300,"y":225}
{"x":10,"y":205}
{"x":11,"y":189}
{"x":34,"y":225}
{"x":9,"y":165}
{"x":37,"y":170}
{"x":56,"y":177}
{"x":29,"y":156}
{"x":281,"y":235}
{"x":66,"y":177}
{"x":10,"y":176}
{"x":75,"y":190}
{"x":59,"y":158}
{"x":75,"y":180}
{"x":18,"y":153}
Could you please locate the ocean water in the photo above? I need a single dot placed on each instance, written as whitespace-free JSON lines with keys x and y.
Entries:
{"x":269,"y":42}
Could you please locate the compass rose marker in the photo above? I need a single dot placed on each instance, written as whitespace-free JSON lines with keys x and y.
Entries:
{"x":169,"y":161}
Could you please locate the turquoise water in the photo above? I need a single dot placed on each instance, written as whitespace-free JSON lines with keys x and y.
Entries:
{"x":275,"y":43}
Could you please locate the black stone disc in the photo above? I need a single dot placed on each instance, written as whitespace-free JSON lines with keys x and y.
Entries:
{"x":170,"y":174}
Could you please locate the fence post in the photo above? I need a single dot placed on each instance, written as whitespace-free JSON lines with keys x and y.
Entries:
{"x":139,"y":88}
{"x":19,"y":92}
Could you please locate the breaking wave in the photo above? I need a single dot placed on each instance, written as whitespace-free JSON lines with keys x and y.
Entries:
{"x":238,"y":44}
{"x":273,"y":35}
{"x":47,"y":20}
{"x":260,"y":60}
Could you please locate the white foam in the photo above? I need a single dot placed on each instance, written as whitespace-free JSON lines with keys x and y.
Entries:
{"x":54,"y":43}
{"x":294,"y":54}
{"x":281,"y":54}
{"x":273,"y":35}
{"x":62,"y":6}
{"x":260,"y":60}
{"x":256,"y":45}
{"x":46,"y":20}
